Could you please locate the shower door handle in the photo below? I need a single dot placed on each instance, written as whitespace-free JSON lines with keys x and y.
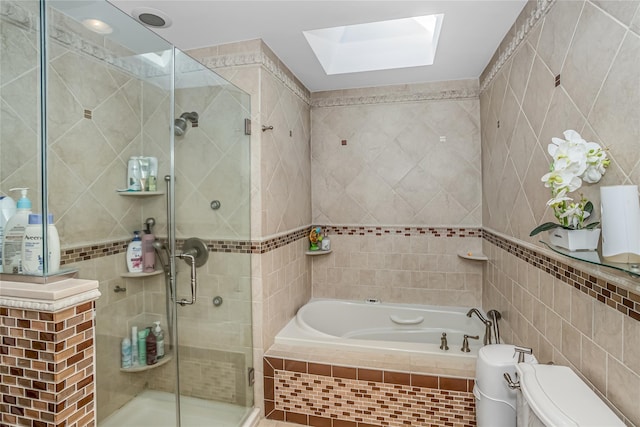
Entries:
{"x":195,"y":253}
{"x":194,"y":279}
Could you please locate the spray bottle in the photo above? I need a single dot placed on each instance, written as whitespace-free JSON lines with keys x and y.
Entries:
{"x":14,"y":234}
{"x":7,"y":210}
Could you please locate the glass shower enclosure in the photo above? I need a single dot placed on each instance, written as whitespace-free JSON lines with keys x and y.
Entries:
{"x":84,"y":88}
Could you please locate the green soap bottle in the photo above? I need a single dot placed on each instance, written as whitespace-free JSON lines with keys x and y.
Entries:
{"x":142,"y":347}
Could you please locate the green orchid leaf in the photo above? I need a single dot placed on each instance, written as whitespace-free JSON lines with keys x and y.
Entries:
{"x":592,"y":225}
{"x":588,"y":207}
{"x":544,"y":227}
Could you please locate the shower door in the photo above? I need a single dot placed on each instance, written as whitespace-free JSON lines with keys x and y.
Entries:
{"x":212,"y":203}
{"x":114,"y":90}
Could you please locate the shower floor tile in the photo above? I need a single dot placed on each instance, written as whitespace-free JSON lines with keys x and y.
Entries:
{"x":157,"y":409}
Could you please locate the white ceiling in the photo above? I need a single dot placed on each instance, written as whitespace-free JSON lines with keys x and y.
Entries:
{"x":471,"y":32}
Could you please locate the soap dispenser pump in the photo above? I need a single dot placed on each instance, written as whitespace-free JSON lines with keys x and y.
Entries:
{"x":23,"y":202}
{"x":14,"y":234}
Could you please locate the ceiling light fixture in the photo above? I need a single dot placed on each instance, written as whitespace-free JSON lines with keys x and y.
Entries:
{"x":398,"y":43}
{"x":151,"y":17}
{"x":97,"y":26}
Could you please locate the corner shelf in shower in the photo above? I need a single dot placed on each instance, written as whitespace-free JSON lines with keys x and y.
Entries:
{"x":141,"y":275}
{"x":478,"y":256}
{"x":166,"y":359}
{"x":318,"y":252}
{"x":140,"y":193}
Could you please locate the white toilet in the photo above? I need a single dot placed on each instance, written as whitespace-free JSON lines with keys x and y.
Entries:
{"x":554,"y":396}
{"x":495,"y":401}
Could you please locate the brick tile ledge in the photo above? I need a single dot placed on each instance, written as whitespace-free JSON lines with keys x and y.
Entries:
{"x":400,"y":397}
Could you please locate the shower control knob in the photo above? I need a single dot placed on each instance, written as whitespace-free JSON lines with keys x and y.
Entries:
{"x":215,"y":205}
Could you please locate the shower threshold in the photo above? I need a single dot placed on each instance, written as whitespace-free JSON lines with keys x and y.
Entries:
{"x":157,"y":409}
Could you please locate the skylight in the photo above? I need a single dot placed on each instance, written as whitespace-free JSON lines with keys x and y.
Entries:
{"x":399,"y":43}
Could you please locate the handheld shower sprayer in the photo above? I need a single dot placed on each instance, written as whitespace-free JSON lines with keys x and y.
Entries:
{"x":180,"y":124}
{"x":163,"y":255}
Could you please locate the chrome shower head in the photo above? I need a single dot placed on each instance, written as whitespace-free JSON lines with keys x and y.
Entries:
{"x":180,"y":124}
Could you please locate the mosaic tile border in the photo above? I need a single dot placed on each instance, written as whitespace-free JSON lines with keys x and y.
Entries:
{"x":626,"y":302}
{"x":84,"y":253}
{"x":280,"y":241}
{"x":326,"y":395}
{"x":404,"y":231}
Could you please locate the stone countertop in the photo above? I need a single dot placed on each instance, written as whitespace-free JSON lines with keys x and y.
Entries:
{"x":47,"y":297}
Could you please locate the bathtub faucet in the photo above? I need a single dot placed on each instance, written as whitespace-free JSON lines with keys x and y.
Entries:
{"x":443,"y":342}
{"x":487,"y":325}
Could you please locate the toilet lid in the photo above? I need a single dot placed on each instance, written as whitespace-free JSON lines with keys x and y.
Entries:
{"x":560,"y":398}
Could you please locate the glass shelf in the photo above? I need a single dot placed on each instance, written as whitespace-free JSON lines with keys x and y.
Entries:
{"x":595,"y":257}
{"x":140,"y":193}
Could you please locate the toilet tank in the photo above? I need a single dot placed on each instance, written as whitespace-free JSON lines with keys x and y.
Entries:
{"x":554,"y":396}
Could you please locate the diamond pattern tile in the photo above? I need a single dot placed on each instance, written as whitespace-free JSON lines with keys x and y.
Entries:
{"x":394,"y":168}
{"x":598,"y":96}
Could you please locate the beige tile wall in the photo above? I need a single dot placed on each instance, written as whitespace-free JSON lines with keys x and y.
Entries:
{"x":594,"y":47}
{"x":394,"y":168}
{"x":416,"y":269}
{"x":212,"y":158}
{"x":88,"y":157}
{"x":412,"y":157}
{"x":19,"y":104}
{"x":595,"y":54}
{"x":280,"y":174}
{"x":566,"y":326}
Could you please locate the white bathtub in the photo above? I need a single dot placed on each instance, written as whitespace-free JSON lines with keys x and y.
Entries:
{"x":383,"y":327}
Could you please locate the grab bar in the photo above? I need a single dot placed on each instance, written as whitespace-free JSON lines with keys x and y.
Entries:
{"x":399,"y":321}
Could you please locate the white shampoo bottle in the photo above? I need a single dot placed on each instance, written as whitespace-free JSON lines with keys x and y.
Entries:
{"x":134,"y":254}
{"x":14,"y":233}
{"x":7,"y":210}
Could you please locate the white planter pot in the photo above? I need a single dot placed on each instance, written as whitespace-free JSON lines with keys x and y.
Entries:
{"x":575,"y":240}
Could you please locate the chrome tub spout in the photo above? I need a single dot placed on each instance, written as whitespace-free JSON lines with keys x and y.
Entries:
{"x":487,"y":325}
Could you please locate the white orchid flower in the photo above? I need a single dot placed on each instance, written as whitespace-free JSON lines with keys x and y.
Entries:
{"x":560,"y":179}
{"x":575,"y":214}
{"x":574,"y":160}
{"x":573,"y":136}
{"x":593,"y":174}
{"x":598,"y":162}
{"x":568,"y":156}
{"x":559,"y":198}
